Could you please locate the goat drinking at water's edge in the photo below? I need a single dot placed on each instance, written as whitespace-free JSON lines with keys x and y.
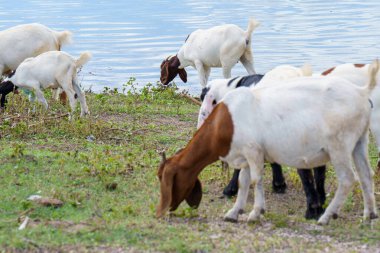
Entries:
{"x":24,"y":41}
{"x":221,"y":46}
{"x":260,"y":124}
{"x":54,"y":69}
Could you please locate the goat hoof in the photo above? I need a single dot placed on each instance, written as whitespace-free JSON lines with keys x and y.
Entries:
{"x":373,"y":216}
{"x":323,"y":220}
{"x":335,"y":216}
{"x":262,"y":211}
{"x":279,"y":187}
{"x":230,"y":219}
{"x":253,"y":220}
{"x":313,"y":213}
{"x":254,"y":216}
{"x":241,"y":211}
{"x":230,"y":191}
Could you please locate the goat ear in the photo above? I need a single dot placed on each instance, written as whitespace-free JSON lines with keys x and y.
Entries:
{"x":195,"y":196}
{"x":164,"y":72}
{"x":166,"y":192}
{"x":162,"y":63}
{"x":183,"y":75}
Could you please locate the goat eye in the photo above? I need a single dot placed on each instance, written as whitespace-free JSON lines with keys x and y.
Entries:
{"x":214,"y":102}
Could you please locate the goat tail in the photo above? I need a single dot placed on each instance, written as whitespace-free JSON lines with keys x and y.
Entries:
{"x":307,"y":70}
{"x":83,"y":59}
{"x":252,"y":24}
{"x":373,"y":71}
{"x":64,"y":38}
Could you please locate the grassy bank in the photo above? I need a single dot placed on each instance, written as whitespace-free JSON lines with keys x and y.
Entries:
{"x":103,"y":168}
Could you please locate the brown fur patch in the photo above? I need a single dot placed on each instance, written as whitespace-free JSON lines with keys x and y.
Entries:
{"x":179,"y":174}
{"x":359,"y":65}
{"x":63,"y":98}
{"x":325,"y":73}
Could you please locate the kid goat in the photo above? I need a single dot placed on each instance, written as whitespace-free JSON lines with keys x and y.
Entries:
{"x":54,"y":69}
{"x":24,"y":41}
{"x":261,"y":124}
{"x":220,"y":46}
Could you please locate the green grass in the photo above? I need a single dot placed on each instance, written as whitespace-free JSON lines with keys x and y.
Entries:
{"x":103,"y":168}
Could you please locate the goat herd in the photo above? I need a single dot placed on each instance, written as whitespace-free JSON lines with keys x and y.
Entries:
{"x":288,"y":116}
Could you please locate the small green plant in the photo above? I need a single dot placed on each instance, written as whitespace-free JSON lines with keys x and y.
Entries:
{"x":18,"y":151}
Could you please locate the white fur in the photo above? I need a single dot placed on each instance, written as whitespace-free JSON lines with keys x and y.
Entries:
{"x":304,"y":124}
{"x":220,"y":46}
{"x":218,"y":88}
{"x":359,"y":76}
{"x":53,"y":69}
{"x":284,"y":73}
{"x":29,"y":40}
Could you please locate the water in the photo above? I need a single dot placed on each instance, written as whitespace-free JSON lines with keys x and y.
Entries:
{"x":131,"y":38}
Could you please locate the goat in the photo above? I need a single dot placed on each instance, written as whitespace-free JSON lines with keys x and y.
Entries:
{"x":53,"y":69}
{"x":28,"y":40}
{"x":23,"y":41}
{"x":358,"y":74}
{"x":314,"y":184}
{"x":220,"y":46}
{"x":250,"y":126}
{"x":217,"y":89}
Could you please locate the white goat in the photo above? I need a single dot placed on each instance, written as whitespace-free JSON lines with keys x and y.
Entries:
{"x":53,"y":69}
{"x":250,"y":126}
{"x":29,"y":40}
{"x":220,"y":46}
{"x":218,"y":88}
{"x":358,"y":74}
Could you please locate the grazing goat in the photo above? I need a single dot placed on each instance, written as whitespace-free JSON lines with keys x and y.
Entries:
{"x":29,"y":40}
{"x":358,"y":74}
{"x":250,"y":126}
{"x":313,"y":184}
{"x":217,"y":89}
{"x":220,"y":46}
{"x":23,"y":41}
{"x":53,"y":69}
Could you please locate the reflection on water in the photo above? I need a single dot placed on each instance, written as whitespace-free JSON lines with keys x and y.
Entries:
{"x":131,"y":38}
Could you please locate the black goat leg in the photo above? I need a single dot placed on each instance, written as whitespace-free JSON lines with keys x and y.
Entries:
{"x":314,"y":208}
{"x":233,"y":186}
{"x":319,"y":178}
{"x":278,"y":183}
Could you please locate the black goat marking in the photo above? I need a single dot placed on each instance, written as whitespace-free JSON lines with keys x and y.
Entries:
{"x":248,"y":81}
{"x":6,"y":87}
{"x":230,"y":81}
{"x":204,"y":93}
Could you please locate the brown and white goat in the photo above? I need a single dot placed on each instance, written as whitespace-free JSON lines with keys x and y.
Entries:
{"x":220,"y":46}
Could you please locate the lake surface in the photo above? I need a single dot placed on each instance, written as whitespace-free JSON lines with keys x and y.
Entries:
{"x":131,"y":38}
